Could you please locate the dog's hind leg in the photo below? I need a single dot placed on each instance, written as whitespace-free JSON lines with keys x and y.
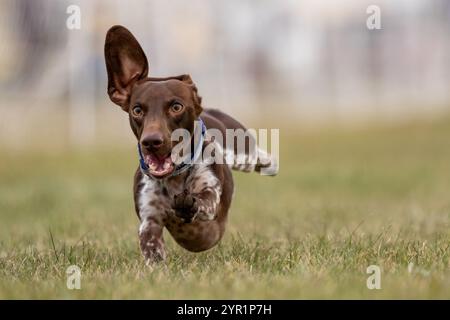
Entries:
{"x":239,"y":146}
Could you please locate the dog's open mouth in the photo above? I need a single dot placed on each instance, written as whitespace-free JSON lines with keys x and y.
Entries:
{"x":159,"y":166}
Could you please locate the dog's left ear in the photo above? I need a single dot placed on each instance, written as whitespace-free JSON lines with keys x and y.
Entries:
{"x":195,"y":96}
{"x":126,"y":63}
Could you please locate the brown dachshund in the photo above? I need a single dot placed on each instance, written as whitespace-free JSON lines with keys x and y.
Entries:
{"x":190,"y":199}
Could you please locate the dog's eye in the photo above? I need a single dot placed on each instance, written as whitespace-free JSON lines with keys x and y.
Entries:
{"x":137,"y":111}
{"x":177,"y":107}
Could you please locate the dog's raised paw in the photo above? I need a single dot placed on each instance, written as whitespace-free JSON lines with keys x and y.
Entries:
{"x":185,"y":206}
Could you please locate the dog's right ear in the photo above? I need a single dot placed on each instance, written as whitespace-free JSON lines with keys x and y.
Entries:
{"x":126,"y":63}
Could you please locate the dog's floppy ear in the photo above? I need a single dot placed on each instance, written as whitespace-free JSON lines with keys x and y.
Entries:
{"x":197,"y":99}
{"x":126,"y":63}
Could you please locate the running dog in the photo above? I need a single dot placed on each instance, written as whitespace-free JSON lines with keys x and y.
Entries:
{"x":191,"y":199}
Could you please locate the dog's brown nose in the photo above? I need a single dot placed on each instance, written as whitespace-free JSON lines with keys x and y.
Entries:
{"x":152,"y":141}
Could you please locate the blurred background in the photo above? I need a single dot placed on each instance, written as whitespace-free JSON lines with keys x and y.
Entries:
{"x":304,"y":63}
{"x":364,"y":119}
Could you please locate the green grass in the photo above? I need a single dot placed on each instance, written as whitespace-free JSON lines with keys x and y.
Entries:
{"x":343,"y":200}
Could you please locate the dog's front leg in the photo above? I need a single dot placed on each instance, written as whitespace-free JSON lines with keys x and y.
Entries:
{"x":200,"y":205}
{"x":201,"y":198}
{"x":151,"y":241}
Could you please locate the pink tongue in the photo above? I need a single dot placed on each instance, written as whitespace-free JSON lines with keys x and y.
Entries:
{"x":158,"y":165}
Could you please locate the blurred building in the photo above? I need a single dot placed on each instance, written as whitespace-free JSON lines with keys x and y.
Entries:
{"x":314,"y":59}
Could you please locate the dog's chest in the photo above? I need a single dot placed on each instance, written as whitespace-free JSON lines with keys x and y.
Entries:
{"x":155,"y":200}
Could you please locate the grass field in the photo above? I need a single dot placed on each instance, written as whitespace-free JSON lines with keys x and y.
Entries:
{"x":344,"y":200}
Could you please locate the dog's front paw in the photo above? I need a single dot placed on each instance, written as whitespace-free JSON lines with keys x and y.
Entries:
{"x":153,"y":252}
{"x":185,"y":206}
